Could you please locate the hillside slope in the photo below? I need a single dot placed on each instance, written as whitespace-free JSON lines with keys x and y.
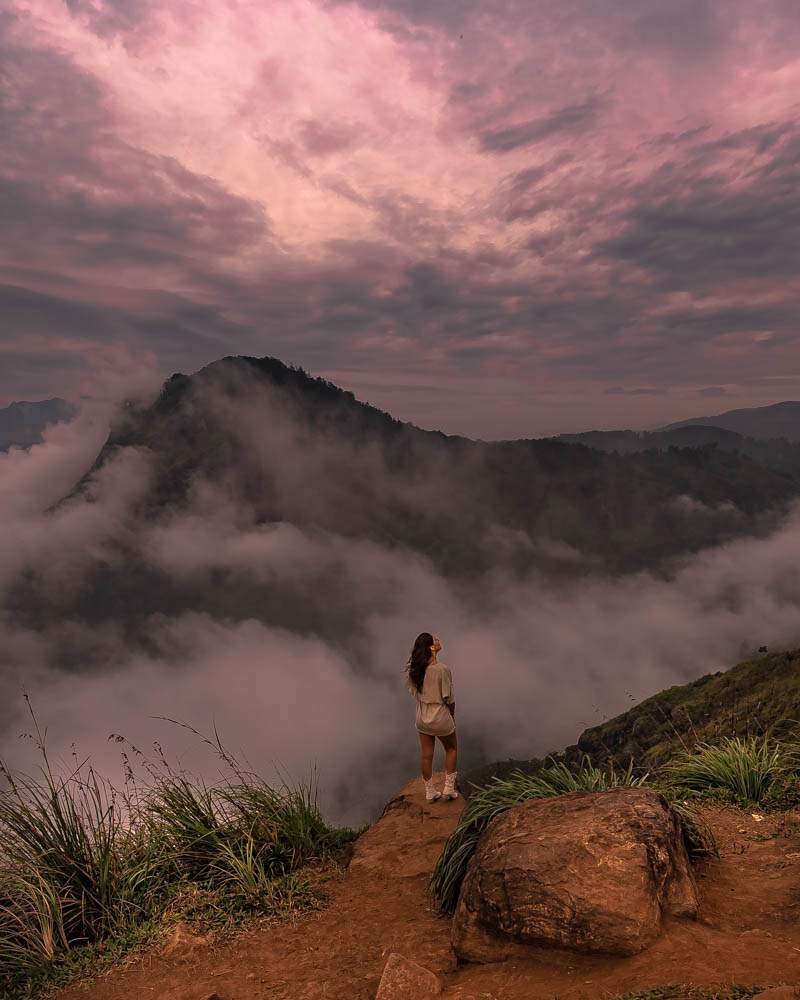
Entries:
{"x":627,"y":442}
{"x":777,"y":454}
{"x":751,"y":698}
{"x":747,"y":932}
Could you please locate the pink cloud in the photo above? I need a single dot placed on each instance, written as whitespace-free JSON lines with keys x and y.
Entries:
{"x":595,"y":194}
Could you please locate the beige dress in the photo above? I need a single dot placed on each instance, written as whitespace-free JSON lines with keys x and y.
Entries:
{"x":433,"y":716}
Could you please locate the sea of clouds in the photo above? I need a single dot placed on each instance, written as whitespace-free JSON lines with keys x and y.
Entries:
{"x":534,"y":660}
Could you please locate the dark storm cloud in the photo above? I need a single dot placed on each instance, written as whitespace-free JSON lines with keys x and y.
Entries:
{"x":74,"y":198}
{"x":446,"y":14}
{"x":685,"y":29}
{"x":322,"y":138}
{"x":522,"y":195}
{"x":689,"y":225}
{"x":678,"y":27}
{"x":60,"y":331}
{"x":112,"y":17}
{"x":572,"y":119}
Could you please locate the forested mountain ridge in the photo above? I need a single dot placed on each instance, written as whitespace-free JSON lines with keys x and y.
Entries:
{"x":468,"y":504}
{"x":780,"y":454}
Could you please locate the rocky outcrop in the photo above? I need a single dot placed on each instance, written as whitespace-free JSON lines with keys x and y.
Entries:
{"x":591,"y":871}
{"x":403,"y":979}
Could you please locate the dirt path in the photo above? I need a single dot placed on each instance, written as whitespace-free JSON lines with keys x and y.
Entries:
{"x":749,"y":930}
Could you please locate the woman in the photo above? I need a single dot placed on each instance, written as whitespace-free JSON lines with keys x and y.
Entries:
{"x":431,"y":683}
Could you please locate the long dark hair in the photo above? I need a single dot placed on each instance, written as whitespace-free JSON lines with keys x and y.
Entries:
{"x":419,"y":659}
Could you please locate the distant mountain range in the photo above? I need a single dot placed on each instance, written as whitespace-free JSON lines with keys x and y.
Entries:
{"x":770,"y":435}
{"x":626,"y":441}
{"x":781,"y":420}
{"x":22,"y":424}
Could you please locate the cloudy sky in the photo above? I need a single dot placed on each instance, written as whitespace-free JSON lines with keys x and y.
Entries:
{"x":502,"y":220}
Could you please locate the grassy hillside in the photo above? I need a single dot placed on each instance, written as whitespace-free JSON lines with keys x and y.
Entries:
{"x":754,"y":697}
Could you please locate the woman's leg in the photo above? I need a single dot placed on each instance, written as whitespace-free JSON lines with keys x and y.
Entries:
{"x":426,"y":746}
{"x":450,"y":752}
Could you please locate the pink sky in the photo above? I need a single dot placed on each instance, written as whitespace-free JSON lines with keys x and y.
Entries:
{"x":501,"y":220}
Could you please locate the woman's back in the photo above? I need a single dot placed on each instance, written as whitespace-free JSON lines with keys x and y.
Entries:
{"x":437,"y":684}
{"x":433,"y":716}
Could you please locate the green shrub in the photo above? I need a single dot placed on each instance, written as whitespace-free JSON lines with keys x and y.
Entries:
{"x":745,"y":768}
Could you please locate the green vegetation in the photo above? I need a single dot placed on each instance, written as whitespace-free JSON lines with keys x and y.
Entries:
{"x":88,"y":871}
{"x":757,"y":697}
{"x":746,"y":770}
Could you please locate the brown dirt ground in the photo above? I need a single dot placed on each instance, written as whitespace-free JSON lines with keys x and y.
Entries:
{"x":748,"y":931}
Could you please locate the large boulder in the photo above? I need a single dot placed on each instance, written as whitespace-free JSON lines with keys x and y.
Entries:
{"x":591,"y":871}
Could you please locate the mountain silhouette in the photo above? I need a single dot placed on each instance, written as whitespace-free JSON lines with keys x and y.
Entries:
{"x":780,"y":420}
{"x":290,"y":447}
{"x":22,"y":423}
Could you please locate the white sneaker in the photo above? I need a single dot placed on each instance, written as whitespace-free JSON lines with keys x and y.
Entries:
{"x":431,"y":794}
{"x":449,"y":791}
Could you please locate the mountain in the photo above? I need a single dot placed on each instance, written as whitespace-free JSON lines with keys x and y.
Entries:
{"x":22,"y":424}
{"x":781,"y":420}
{"x":189,"y":490}
{"x":290,"y":447}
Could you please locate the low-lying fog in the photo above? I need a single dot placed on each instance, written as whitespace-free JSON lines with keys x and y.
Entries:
{"x":534,"y":663}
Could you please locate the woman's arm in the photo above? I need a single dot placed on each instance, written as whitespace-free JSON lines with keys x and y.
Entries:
{"x":448,"y":695}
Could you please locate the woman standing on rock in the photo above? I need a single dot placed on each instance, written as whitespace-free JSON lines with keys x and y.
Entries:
{"x":431,"y":683}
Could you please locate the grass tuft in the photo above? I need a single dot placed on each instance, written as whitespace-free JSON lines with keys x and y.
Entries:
{"x":747,"y":769}
{"x":88,"y":870}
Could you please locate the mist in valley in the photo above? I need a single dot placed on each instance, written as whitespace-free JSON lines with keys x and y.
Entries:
{"x":126,"y":602}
